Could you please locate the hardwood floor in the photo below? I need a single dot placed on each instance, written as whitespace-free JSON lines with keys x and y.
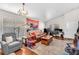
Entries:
{"x":23,"y":51}
{"x":0,"y":52}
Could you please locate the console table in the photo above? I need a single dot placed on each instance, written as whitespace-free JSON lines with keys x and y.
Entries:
{"x":59,"y":36}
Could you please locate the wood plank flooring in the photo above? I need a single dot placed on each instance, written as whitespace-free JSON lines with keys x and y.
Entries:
{"x":23,"y":51}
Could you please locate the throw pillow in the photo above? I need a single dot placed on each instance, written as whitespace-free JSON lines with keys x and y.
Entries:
{"x":9,"y":39}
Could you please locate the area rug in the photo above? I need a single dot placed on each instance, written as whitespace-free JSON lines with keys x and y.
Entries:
{"x":56,"y":47}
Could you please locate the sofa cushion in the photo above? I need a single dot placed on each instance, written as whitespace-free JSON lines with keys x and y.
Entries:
{"x":14,"y":44}
{"x":9,"y":39}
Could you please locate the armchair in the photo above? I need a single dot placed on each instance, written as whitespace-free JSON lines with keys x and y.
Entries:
{"x":8,"y":48}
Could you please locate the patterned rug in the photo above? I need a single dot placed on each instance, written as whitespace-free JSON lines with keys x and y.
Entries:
{"x":56,"y":47}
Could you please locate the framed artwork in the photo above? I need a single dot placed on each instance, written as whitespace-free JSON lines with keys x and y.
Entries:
{"x":32,"y":23}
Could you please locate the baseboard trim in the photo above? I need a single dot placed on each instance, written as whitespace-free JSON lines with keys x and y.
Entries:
{"x":69,"y":38}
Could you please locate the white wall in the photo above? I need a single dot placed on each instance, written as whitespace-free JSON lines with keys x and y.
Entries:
{"x":1,"y":23}
{"x":71,"y":23}
{"x":68,"y":22}
{"x":8,"y":21}
{"x":41,"y":26}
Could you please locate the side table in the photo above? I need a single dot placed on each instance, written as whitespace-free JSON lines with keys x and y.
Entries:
{"x":46,"y":39}
{"x":24,"y":39}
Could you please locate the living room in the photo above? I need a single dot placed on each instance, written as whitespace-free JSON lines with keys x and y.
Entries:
{"x":38,"y":28}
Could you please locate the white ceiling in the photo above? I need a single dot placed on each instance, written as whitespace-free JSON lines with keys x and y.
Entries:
{"x":42,"y":11}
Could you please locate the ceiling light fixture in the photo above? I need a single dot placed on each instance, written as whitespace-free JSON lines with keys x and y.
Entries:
{"x":23,"y":11}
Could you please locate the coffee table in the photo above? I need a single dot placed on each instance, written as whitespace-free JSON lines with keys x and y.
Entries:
{"x":46,"y":39}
